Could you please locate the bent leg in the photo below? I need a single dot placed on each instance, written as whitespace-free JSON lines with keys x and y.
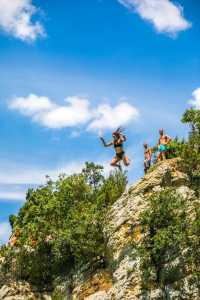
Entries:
{"x":159,"y":156}
{"x":145,"y":167}
{"x":126,"y":160}
{"x":114,"y":161}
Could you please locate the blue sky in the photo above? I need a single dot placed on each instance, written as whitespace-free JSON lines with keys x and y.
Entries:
{"x":75,"y":69}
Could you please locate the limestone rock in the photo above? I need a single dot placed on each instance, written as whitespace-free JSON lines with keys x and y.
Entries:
{"x":21,"y":291}
{"x":123,"y":229}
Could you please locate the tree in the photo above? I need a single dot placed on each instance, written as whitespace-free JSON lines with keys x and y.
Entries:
{"x":60,"y":224}
{"x":191,"y":150}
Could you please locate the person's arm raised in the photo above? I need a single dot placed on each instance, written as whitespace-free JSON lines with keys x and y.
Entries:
{"x":106,"y":144}
{"x":124,"y":138}
{"x":169,"y":139}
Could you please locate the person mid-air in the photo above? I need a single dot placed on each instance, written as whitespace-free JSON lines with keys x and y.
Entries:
{"x":117,"y":142}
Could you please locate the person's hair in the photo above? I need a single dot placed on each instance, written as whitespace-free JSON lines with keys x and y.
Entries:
{"x":119,"y":131}
{"x":116,"y":134}
{"x":161,"y":130}
{"x":145,"y":145}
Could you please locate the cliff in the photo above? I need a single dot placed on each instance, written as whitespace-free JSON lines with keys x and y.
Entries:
{"x":125,"y":232}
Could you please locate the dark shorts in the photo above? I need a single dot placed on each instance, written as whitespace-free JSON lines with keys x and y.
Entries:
{"x":147,"y":163}
{"x":120,"y":155}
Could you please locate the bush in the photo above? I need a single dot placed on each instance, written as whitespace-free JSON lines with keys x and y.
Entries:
{"x":191,"y":151}
{"x":164,"y":225}
{"x":61,"y":224}
{"x":175,"y":148}
{"x":170,"y":248}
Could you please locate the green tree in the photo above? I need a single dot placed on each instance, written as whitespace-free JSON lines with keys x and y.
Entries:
{"x":191,"y":151}
{"x":164,"y":225}
{"x":61,"y":224}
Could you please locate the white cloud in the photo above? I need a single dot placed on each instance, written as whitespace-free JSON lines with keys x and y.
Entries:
{"x":50,"y":115}
{"x":108,"y":117}
{"x":31,"y":105}
{"x":5,"y":232}
{"x":163,"y":14}
{"x":76,"y":112}
{"x":195,"y":102}
{"x":16,"y":19}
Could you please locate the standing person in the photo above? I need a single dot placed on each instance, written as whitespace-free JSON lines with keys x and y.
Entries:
{"x":118,"y":143}
{"x":163,"y":142}
{"x":147,"y":157}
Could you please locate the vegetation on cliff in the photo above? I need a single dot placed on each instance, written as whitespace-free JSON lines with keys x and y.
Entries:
{"x":169,"y":251}
{"x":60,"y":226}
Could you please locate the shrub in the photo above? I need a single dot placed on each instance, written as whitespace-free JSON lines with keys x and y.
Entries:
{"x":61,"y":224}
{"x":164,"y":225}
{"x":191,"y":151}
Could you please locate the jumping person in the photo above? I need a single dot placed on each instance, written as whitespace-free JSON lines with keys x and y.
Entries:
{"x":163,"y":142}
{"x":147,"y":157}
{"x":117,"y":142}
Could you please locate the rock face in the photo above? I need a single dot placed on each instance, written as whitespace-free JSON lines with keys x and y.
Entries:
{"x":122,"y":231}
{"x":21,"y":291}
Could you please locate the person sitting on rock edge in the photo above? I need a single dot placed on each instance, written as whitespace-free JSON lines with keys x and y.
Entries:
{"x":117,"y":142}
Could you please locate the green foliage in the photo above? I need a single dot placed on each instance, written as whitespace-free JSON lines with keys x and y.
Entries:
{"x":170,"y":248}
{"x":193,"y":250}
{"x":188,"y":151}
{"x":164,"y":225}
{"x":175,"y":148}
{"x":60,"y":224}
{"x":191,"y":150}
{"x":12,"y":219}
{"x":57,"y":295}
{"x":190,"y":155}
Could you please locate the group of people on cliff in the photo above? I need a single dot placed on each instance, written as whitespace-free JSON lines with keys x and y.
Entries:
{"x":119,"y":138}
{"x":150,"y":156}
{"x":160,"y":153}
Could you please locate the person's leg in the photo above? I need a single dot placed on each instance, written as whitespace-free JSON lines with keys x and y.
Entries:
{"x":163,"y":152}
{"x":145,"y":166}
{"x":114,"y":161}
{"x":126,"y":160}
{"x":163,"y":155}
{"x":159,"y":154}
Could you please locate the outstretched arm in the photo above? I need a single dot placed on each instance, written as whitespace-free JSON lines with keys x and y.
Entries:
{"x":169,"y":139}
{"x":104,"y":142}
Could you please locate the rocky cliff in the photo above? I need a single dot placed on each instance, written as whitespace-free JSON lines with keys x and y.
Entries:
{"x":122,"y":276}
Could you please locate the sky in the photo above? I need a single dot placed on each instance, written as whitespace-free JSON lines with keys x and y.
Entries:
{"x":71,"y":71}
